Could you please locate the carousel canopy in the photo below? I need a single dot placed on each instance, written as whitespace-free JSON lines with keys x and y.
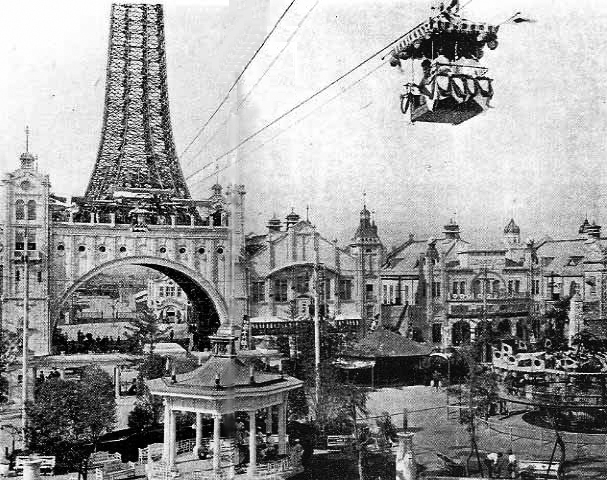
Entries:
{"x":384,"y":343}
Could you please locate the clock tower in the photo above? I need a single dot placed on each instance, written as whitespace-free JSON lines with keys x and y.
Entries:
{"x":24,"y":236}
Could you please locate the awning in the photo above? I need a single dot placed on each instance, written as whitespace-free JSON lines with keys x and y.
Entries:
{"x":442,"y":24}
{"x":348,"y":364}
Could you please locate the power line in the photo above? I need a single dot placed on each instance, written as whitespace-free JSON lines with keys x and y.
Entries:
{"x":225,"y":98}
{"x":303,"y":102}
{"x":246,"y":97}
{"x":293,"y":124}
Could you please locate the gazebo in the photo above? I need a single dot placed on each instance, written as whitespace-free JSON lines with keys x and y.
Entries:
{"x":384,"y":353}
{"x":223,"y":385}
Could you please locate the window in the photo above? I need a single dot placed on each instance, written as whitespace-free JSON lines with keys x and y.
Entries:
{"x":161,"y":291}
{"x":31,"y":241}
{"x":302,"y":283}
{"x":406,"y":293}
{"x":258,"y":292}
{"x":369,"y":288}
{"x":535,"y":287}
{"x":436,"y":289}
{"x":437,"y":333}
{"x":496,"y":287}
{"x":510,"y":287}
{"x":391,"y":297}
{"x":517,"y":286}
{"x":455,"y":290}
{"x":462,"y":287}
{"x":280,"y":290}
{"x":31,"y":210}
{"x":385,"y":294}
{"x":19,"y":210}
{"x":17,"y":275}
{"x":40,"y":277}
{"x":179,"y":291}
{"x":592,"y":282}
{"x":326,"y":288}
{"x":170,"y":291}
{"x":345,"y":289}
{"x":19,"y":241}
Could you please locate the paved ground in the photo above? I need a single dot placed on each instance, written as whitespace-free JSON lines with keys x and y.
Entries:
{"x":438,"y":430}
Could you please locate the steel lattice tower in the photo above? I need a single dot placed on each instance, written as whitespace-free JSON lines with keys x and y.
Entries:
{"x":137,"y":150}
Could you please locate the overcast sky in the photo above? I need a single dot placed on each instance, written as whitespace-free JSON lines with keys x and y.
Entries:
{"x":538,"y":155}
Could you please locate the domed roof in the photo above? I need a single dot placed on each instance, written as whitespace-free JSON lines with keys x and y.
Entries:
{"x":512,"y":227}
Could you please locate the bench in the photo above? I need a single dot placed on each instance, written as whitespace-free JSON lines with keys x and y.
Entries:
{"x":532,"y":469}
{"x":450,"y":465}
{"x":339,"y":442}
{"x":98,"y":459}
{"x":47,"y":466}
{"x":115,"y":470}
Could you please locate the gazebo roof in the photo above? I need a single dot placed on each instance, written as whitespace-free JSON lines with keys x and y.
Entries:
{"x":384,"y":343}
{"x":224,"y":375}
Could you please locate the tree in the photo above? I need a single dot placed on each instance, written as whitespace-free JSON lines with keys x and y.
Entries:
{"x":69,"y":417}
{"x":146,"y":329}
{"x":11,"y":345}
{"x":479,"y":393}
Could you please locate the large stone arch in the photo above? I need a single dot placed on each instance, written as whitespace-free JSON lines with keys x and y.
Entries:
{"x":175,"y":270}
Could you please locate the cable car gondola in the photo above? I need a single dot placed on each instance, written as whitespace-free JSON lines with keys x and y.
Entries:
{"x":454,"y":86}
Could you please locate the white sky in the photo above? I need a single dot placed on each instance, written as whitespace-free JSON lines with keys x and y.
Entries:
{"x":539,"y":154}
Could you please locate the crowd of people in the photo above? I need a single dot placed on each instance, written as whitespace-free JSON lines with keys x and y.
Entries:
{"x":88,"y":343}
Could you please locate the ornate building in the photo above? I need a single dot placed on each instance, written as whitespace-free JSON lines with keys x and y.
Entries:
{"x":137,"y":209}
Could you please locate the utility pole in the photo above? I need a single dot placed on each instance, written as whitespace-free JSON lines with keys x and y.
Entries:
{"x":316,"y":319}
{"x":24,"y":372}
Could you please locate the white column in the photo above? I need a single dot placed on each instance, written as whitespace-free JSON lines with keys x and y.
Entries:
{"x":252,"y":444}
{"x":173,"y":438}
{"x":117,"y":382}
{"x":198,"y":433}
{"x":282,"y":427}
{"x":216,"y":443}
{"x":167,"y":431}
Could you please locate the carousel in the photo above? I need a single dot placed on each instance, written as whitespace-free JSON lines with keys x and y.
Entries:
{"x":568,"y":386}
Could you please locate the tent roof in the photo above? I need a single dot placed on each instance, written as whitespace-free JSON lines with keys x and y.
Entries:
{"x":384,"y":343}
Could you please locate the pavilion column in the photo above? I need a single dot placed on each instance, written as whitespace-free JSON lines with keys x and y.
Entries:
{"x":198,"y":433}
{"x":173,"y":437}
{"x":269,"y":422}
{"x":252,"y":444}
{"x":117,"y":382}
{"x":167,"y":431}
{"x":282,"y":427}
{"x":216,"y":443}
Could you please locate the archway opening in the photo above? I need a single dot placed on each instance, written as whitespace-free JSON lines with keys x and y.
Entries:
{"x":96,"y":314}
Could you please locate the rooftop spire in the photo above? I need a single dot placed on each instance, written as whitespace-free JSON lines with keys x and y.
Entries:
{"x":27,"y":159}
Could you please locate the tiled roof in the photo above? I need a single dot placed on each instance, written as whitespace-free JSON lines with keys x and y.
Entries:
{"x":384,"y":343}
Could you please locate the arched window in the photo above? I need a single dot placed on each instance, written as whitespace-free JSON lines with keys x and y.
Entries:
{"x":573,"y":289}
{"x":31,"y":210}
{"x":496,"y":287}
{"x":19,"y":210}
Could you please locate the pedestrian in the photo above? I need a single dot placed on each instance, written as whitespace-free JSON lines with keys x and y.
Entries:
{"x":512,"y":464}
{"x":435,"y":379}
{"x":490,"y":463}
{"x":501,"y":466}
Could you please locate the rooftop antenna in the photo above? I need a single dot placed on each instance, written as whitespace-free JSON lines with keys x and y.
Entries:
{"x":364,"y":200}
{"x":308,"y":213}
{"x":27,"y":139}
